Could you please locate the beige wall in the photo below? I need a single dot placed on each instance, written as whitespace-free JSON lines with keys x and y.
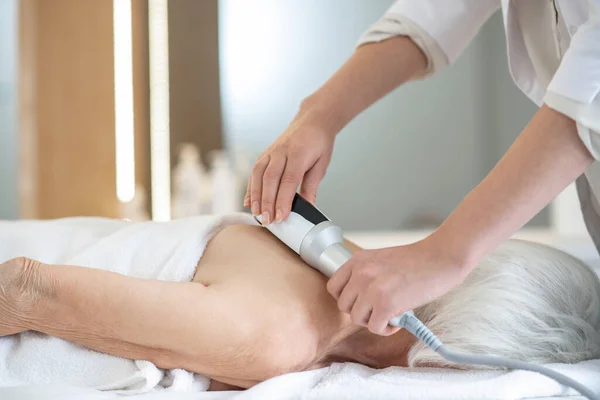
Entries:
{"x":194,"y":75}
{"x":68,"y":154}
{"x":141,"y":94}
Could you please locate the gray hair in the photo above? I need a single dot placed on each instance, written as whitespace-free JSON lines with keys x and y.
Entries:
{"x":524,"y":301}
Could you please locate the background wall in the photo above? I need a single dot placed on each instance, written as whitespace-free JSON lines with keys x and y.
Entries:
{"x":508,"y":110}
{"x":8,"y":109}
{"x":419,"y":150}
{"x":67,"y":114}
{"x":194,"y":100}
{"x":75,"y":109}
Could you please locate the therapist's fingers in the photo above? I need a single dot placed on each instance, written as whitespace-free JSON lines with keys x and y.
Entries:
{"x":256,"y":183}
{"x":378,"y":323}
{"x":361,"y":311}
{"x":271,"y":179}
{"x":312,"y":179}
{"x":290,"y":180}
{"x":338,"y":281}
{"x":347,"y":298}
{"x":247,"y":195}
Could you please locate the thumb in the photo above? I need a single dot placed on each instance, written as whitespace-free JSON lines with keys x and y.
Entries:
{"x":312,"y":179}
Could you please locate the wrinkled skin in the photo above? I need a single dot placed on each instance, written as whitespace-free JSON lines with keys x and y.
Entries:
{"x":17,"y":300}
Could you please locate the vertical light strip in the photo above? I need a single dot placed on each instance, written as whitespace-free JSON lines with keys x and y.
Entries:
{"x":160,"y":162}
{"x":124,"y":117}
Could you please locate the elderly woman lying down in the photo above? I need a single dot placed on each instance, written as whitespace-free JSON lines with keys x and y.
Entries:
{"x":253,"y":309}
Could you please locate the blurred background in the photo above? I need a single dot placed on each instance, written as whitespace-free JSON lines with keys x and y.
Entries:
{"x":156,"y":109}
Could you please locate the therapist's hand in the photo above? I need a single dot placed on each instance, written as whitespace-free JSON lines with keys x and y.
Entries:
{"x":377,"y":285}
{"x":300,"y":155}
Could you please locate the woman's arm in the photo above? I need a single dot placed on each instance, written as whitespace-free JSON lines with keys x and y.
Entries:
{"x":377,"y":285}
{"x":303,"y":151}
{"x":545,"y":158}
{"x":172,"y":324}
{"x":373,"y":71}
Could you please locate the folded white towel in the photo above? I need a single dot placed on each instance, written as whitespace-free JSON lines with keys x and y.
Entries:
{"x":355,"y":381}
{"x":167,"y":251}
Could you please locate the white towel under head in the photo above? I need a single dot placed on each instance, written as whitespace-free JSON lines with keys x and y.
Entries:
{"x":355,"y":381}
{"x":167,"y":251}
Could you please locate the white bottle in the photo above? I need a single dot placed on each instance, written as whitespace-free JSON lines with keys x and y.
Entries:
{"x":191,"y":185}
{"x":137,"y":209}
{"x":225,"y":187}
{"x":243,"y":161}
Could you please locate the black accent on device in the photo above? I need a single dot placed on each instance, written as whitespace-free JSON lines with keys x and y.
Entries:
{"x":311,"y":213}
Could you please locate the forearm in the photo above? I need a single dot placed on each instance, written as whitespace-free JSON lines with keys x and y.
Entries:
{"x":547,"y":156}
{"x":172,"y":324}
{"x":370,"y":73}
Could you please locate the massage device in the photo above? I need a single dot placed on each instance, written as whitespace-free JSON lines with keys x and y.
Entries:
{"x":320,"y":243}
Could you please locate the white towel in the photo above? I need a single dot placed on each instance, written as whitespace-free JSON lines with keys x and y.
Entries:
{"x":355,"y":381}
{"x":167,"y":251}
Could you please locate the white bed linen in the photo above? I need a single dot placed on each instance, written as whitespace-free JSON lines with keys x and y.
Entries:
{"x":166,"y":251}
{"x":324,"y":384}
{"x":313,"y":384}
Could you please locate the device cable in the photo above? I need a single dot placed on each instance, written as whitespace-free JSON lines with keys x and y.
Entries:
{"x":412,"y":324}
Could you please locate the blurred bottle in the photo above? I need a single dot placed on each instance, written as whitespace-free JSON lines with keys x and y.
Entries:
{"x":225,"y":185}
{"x":191,"y":184}
{"x":243,"y":160}
{"x":137,"y":209}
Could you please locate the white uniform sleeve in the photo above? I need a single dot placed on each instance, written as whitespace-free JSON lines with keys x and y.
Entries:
{"x":441,"y":28}
{"x":578,"y":76}
{"x":586,"y":115}
{"x":575,"y":87}
{"x":388,"y":27}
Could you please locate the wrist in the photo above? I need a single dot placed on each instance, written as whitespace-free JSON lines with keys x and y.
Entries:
{"x":455,"y":252}
{"x":318,"y":112}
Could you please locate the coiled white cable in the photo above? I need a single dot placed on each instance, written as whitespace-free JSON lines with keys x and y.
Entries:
{"x":412,"y":324}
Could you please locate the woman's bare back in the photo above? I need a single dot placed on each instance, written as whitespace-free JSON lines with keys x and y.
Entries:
{"x":248,"y":266}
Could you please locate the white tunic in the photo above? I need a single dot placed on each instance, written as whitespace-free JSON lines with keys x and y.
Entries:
{"x":554,"y":58}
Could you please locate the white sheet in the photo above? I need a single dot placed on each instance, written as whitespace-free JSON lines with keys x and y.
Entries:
{"x":354,"y":381}
{"x":333,"y":384}
{"x":286,"y":387}
{"x":167,"y":251}
{"x":328,"y":383}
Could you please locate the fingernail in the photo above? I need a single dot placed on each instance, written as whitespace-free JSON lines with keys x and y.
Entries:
{"x":255,"y":208}
{"x":246,"y":202}
{"x":266,"y":218}
{"x":278,"y":216}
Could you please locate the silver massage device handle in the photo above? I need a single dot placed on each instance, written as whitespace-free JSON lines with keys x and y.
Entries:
{"x":323,"y":248}
{"x":318,"y":241}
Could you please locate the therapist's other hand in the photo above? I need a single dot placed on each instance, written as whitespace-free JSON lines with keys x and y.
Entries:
{"x":300,"y":155}
{"x":376,"y":285}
